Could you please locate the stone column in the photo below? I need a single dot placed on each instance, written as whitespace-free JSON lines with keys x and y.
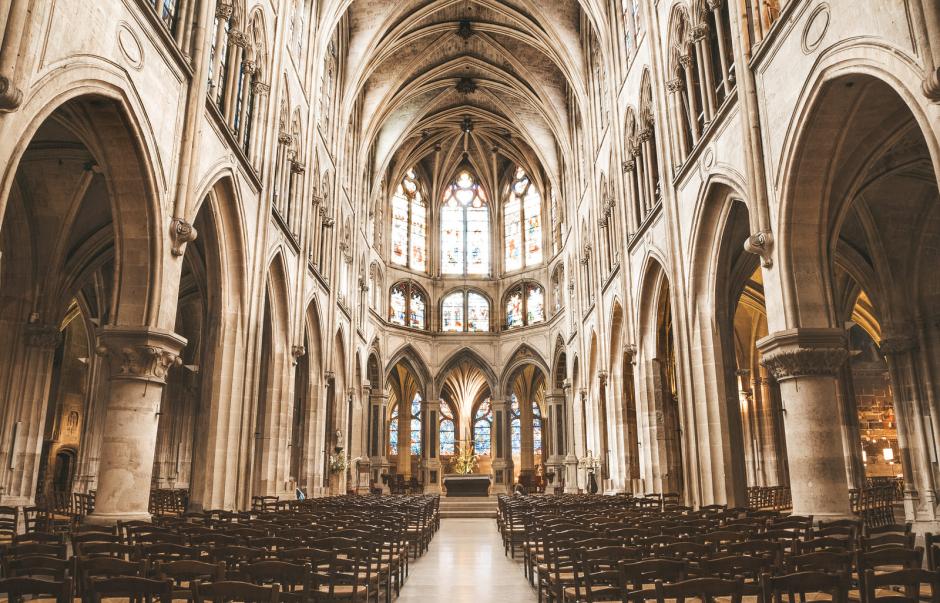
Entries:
{"x":554,"y":437}
{"x":571,"y":459}
{"x":378,"y":434}
{"x":430,"y":419}
{"x":138,"y":358}
{"x":500,"y":447}
{"x":914,"y":435}
{"x":806,"y":362}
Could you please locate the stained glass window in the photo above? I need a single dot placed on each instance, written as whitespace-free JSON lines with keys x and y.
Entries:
{"x":452,"y":312}
{"x":525,"y":305}
{"x":416,"y":425}
{"x":482,"y":428}
{"x":536,"y":428}
{"x":448,"y":430}
{"x":409,"y":224}
{"x":515,"y":425}
{"x":522,"y":226}
{"x":393,"y":432}
{"x":535,"y":305}
{"x":465,"y":228}
{"x":465,"y":311}
{"x":396,"y":300}
{"x":478,"y":313}
{"x":408,"y":305}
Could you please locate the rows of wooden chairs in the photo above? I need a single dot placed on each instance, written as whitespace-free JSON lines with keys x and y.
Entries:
{"x":166,"y":501}
{"x":327,"y":549}
{"x":875,"y":503}
{"x":775,"y":498}
{"x":617,"y":548}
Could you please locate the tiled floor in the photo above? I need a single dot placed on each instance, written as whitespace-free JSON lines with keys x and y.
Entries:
{"x":465,"y":564}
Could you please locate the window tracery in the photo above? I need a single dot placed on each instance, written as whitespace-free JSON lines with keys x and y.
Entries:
{"x":525,"y":305}
{"x":408,"y":305}
{"x":409,"y":224}
{"x":465,"y":228}
{"x":522,"y":223}
{"x":642,"y":165}
{"x":448,"y":430}
{"x":483,"y":428}
{"x":465,"y":311}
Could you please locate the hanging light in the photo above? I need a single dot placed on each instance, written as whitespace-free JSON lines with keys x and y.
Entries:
{"x":888,"y":454}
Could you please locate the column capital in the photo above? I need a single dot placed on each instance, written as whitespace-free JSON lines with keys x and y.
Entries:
{"x":140,"y":353}
{"x":810,"y":352}
{"x":675,"y":85}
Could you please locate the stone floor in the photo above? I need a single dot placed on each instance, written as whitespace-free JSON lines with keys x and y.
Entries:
{"x":465,"y":564}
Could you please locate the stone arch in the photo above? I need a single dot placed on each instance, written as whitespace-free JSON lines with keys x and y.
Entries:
{"x":415,"y":362}
{"x":524,"y":354}
{"x":465,"y":354}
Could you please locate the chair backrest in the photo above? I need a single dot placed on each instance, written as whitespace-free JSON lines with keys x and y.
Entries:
{"x":634,"y":575}
{"x":37,"y":548}
{"x":834,"y":584}
{"x":132,"y":587}
{"x":230,"y":590}
{"x":106,"y":549}
{"x":36,"y":566}
{"x":910,"y":580}
{"x":705,"y":589}
{"x":17,"y":588}
{"x":187,"y":570}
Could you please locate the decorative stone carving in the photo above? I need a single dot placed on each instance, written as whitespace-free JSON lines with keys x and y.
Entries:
{"x":329,"y":376}
{"x":260,"y":88}
{"x":181,"y":233}
{"x":142,"y":354}
{"x":798,"y":353}
{"x":602,"y":377}
{"x":297,"y":168}
{"x":43,"y":337}
{"x":675,"y":85}
{"x":224,"y":10}
{"x":685,"y":60}
{"x":249,"y":67}
{"x":238,"y":38}
{"x":465,"y":29}
{"x":466,"y":85}
{"x":285,"y":138}
{"x":630,"y":351}
{"x":761,"y":244}
{"x":629,"y":165}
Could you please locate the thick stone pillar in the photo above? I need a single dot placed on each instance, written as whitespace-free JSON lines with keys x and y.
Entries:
{"x":500,"y":447}
{"x":138,"y":358}
{"x":553,"y":434}
{"x":378,"y":434}
{"x":806,"y":363}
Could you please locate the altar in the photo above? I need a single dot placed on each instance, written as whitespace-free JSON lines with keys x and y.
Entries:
{"x":467,"y":485}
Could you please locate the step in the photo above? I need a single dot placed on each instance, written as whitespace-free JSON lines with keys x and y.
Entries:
{"x":468,"y":514}
{"x":468,"y":507}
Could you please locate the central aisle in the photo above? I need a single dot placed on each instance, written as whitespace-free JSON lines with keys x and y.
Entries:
{"x":465,"y":564}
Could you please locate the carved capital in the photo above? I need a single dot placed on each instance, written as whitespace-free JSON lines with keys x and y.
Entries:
{"x":260,"y":88}
{"x":329,"y":376}
{"x":11,"y":97}
{"x":43,"y":337}
{"x":297,"y":351}
{"x":629,"y":165}
{"x":644,"y":135}
{"x":685,"y":60}
{"x":675,"y":85}
{"x":602,"y":376}
{"x":803,"y":353}
{"x":285,"y":138}
{"x":630,"y":351}
{"x":238,"y":38}
{"x":249,"y":67}
{"x":714,"y":4}
{"x":297,"y":168}
{"x":140,"y":354}
{"x":224,"y":10}
{"x":699,"y":32}
{"x":761,"y":244}
{"x":181,"y":232}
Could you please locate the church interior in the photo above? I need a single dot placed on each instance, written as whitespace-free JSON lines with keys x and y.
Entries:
{"x":477,"y":300}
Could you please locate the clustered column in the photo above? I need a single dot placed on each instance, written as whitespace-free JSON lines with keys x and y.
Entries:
{"x":502,"y":463}
{"x":378,"y":411}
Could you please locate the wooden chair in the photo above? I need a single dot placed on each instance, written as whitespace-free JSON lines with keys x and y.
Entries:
{"x":597,"y":576}
{"x":9,"y":523}
{"x":836,"y":586}
{"x":883,"y":588}
{"x":182,"y":574}
{"x":17,"y":588}
{"x":294,"y":579}
{"x":36,"y":548}
{"x":166,"y":551}
{"x":36,"y":566}
{"x":230,"y":590}
{"x":704,"y":589}
{"x":134,"y":588}
{"x":106,"y":549}
{"x":639,"y":577}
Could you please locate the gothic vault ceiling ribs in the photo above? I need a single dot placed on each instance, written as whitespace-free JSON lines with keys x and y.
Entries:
{"x":419,"y":69}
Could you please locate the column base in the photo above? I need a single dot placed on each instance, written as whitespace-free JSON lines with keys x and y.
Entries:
{"x":571,"y":474}
{"x":110,"y":519}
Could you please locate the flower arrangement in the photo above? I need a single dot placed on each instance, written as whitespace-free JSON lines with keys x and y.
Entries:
{"x":338,"y":462}
{"x":465,"y":460}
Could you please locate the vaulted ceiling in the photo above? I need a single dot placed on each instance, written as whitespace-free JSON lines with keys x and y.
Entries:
{"x":448,"y":82}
